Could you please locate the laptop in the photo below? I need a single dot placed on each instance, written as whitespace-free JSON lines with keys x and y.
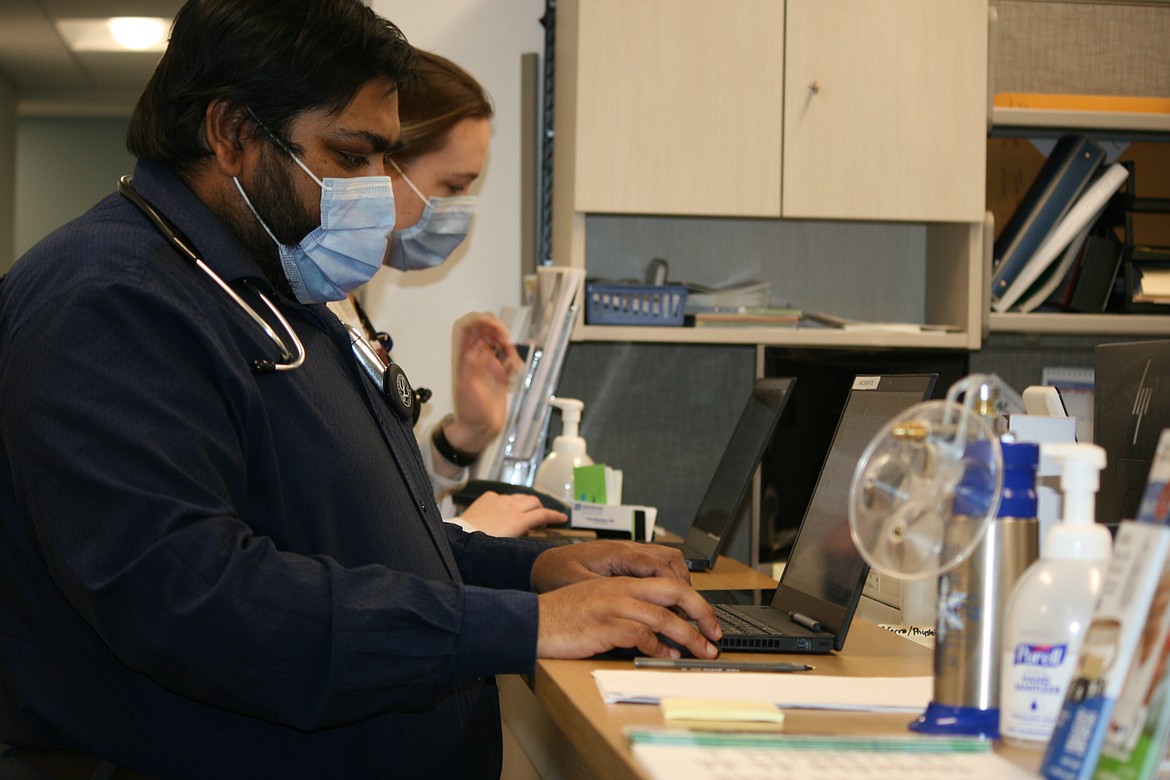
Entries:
{"x":813,"y":605}
{"x":729,"y":485}
{"x":732,"y":479}
{"x":1131,"y":406}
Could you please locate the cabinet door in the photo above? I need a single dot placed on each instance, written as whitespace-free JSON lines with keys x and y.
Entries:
{"x":885,"y":109}
{"x":677,"y":105}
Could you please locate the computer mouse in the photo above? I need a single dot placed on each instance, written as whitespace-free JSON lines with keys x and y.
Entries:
{"x":476,"y":487}
{"x":630,"y":653}
{"x":664,"y":639}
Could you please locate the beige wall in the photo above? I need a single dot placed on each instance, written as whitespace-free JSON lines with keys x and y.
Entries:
{"x":487,"y":37}
{"x":63,"y":166}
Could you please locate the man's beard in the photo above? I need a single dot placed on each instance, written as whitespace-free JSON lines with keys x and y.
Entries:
{"x":274,"y":196}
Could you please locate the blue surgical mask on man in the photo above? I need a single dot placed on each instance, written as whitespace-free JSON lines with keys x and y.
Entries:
{"x":357,"y":215}
{"x":442,"y":226}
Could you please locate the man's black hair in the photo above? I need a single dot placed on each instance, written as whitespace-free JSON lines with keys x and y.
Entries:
{"x":277,"y":58}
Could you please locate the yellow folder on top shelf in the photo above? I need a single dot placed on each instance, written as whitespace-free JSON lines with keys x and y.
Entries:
{"x":1058,"y":102}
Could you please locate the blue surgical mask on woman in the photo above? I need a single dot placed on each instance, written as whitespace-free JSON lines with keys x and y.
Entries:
{"x":345,"y":252}
{"x":442,"y":226}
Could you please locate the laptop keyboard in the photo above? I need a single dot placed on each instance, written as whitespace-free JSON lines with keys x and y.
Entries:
{"x":737,"y":623}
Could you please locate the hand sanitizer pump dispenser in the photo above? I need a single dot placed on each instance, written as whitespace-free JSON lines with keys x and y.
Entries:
{"x":555,"y":475}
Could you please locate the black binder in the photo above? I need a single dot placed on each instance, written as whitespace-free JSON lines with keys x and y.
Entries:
{"x":1065,"y":173}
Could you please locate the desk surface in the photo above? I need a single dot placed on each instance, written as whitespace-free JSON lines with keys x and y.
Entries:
{"x":566,"y":692}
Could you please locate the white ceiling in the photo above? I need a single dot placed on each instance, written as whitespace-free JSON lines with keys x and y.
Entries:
{"x":50,"y":80}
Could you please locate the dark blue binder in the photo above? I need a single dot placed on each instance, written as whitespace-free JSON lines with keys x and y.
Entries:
{"x":1060,"y":181}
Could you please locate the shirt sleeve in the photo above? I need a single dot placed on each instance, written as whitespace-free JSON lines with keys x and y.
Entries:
{"x":460,"y":522}
{"x":443,"y":486}
{"x":495,"y":562}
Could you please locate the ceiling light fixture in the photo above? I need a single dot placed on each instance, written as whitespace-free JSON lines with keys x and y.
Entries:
{"x":122,"y":33}
{"x":138,"y":32}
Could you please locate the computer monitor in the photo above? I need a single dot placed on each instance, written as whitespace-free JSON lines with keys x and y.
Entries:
{"x":1131,"y":406}
{"x":824,"y":562}
{"x":792,"y":463}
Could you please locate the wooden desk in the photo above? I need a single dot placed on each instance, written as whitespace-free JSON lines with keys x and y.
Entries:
{"x":565,"y":730}
{"x":729,"y":574}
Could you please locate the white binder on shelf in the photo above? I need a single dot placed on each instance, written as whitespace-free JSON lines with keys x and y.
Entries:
{"x":1081,"y":215}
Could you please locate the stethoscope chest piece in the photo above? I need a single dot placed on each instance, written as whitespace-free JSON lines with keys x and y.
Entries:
{"x":398,"y":392}
{"x":389,"y":378}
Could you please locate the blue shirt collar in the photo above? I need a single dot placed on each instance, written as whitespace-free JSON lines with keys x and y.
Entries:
{"x":215,"y":242}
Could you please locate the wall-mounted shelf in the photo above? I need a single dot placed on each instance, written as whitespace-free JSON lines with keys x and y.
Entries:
{"x":1030,"y":121}
{"x":787,"y":337}
{"x":1082,"y":324}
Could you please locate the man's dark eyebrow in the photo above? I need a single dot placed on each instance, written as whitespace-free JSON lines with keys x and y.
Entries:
{"x":375,"y":141}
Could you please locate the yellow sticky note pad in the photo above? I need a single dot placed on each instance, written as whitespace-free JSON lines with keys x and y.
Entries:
{"x":720,"y":713}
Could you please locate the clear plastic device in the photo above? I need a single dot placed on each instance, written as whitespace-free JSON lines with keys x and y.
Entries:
{"x":927,"y":485}
{"x":514,"y":457}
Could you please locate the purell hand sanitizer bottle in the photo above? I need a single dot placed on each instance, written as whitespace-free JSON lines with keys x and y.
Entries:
{"x":555,"y":475}
{"x":1050,"y":608}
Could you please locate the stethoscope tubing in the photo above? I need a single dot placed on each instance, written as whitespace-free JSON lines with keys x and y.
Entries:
{"x":289,"y":359}
{"x":390,"y":380}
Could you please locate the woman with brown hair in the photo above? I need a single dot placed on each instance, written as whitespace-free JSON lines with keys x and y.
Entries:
{"x":443,"y":148}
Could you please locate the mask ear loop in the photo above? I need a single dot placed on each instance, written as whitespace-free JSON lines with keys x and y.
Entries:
{"x":284,"y":148}
{"x":406,"y":179}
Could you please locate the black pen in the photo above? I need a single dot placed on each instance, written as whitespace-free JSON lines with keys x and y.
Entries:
{"x":696,"y":664}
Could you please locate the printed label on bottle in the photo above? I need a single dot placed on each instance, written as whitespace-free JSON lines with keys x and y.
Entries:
{"x":1035,"y":678}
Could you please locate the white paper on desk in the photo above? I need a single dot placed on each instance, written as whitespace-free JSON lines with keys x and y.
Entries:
{"x":795,"y":690}
{"x":670,"y":762}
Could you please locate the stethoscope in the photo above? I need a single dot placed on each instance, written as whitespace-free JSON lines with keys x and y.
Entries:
{"x":388,"y":377}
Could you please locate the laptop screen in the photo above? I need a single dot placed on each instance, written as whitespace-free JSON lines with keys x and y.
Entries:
{"x":825,"y":572}
{"x":1131,"y":406}
{"x":733,"y":476}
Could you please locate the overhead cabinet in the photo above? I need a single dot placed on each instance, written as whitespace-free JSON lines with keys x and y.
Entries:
{"x":867,"y":109}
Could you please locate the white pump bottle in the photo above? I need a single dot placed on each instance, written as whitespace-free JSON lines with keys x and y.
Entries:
{"x":1050,"y":607}
{"x":555,"y":475}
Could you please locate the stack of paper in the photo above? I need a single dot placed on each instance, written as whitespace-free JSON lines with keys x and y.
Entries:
{"x":748,"y":316}
{"x":671,"y":754}
{"x":701,"y":297}
{"x":1153,"y":286}
{"x":803,"y":691}
{"x":632,"y":520}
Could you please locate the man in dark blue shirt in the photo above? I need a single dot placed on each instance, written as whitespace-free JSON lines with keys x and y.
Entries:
{"x":219,"y":551}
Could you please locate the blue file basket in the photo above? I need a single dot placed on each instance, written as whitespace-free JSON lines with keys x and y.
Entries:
{"x":634,"y":304}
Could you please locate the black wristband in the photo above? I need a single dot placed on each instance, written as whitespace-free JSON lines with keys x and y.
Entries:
{"x":449,"y":453}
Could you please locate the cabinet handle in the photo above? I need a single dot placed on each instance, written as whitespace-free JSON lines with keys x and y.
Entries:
{"x":815,"y":88}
